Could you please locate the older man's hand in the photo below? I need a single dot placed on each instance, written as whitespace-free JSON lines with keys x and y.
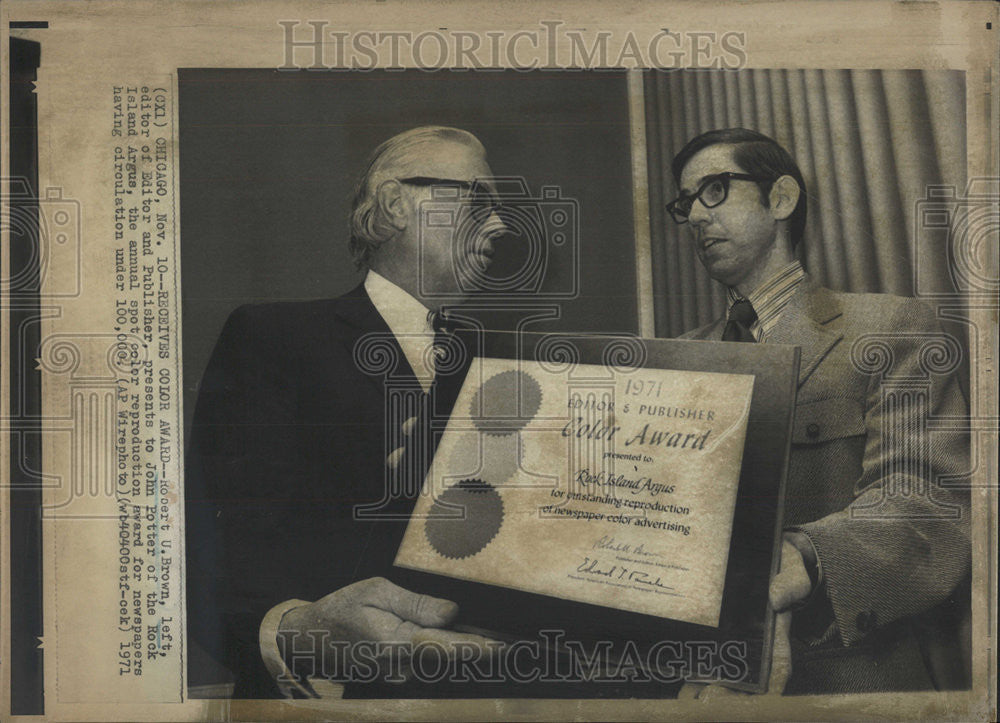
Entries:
{"x":391,"y":621}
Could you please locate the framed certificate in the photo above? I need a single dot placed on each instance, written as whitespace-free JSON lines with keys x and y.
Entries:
{"x":623,"y":492}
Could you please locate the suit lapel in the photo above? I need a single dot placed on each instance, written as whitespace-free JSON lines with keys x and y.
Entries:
{"x":804,"y":323}
{"x":356,"y":310}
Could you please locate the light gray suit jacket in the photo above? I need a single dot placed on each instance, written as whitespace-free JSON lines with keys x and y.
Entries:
{"x":877,"y":492}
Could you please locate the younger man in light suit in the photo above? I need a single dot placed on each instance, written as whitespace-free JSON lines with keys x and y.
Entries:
{"x":876,"y":549}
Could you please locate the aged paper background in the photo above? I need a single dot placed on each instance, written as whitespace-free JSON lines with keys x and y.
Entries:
{"x":89,"y":48}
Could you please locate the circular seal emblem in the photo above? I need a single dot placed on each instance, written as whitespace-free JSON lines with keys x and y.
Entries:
{"x":506,"y":402}
{"x":464,"y":519}
{"x":491,"y":458}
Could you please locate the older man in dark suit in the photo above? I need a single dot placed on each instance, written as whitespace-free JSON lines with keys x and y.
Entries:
{"x":877,"y":546}
{"x":294,"y":509}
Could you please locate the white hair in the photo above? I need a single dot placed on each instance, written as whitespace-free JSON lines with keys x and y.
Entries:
{"x":399,"y":156}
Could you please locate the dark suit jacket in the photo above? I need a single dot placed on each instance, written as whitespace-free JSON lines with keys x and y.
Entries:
{"x":863,"y":484}
{"x":289,"y":434}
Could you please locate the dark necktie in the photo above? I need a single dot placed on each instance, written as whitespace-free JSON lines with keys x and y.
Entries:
{"x":409,"y":463}
{"x":450,"y":364}
{"x":442,"y":339}
{"x":741,"y":318}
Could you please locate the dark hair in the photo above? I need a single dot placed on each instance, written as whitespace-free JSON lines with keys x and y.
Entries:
{"x":757,"y":155}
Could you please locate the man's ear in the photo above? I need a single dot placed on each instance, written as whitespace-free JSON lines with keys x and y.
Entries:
{"x":392,"y":206}
{"x":784,"y":197}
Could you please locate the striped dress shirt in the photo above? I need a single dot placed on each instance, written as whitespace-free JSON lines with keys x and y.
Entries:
{"x":770,"y":298}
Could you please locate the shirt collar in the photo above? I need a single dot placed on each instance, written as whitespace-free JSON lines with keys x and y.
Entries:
{"x":771,"y":297}
{"x":401,"y":311}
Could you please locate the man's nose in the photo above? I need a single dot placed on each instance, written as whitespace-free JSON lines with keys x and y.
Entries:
{"x":699,"y":215}
{"x":494,"y":225}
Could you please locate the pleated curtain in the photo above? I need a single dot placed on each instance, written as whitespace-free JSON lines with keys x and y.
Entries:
{"x":869,"y":142}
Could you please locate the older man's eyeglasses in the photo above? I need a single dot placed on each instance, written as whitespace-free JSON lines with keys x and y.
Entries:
{"x":712,"y":192}
{"x":482,"y":201}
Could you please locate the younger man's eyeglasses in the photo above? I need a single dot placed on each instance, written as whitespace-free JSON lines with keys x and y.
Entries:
{"x":712,"y":192}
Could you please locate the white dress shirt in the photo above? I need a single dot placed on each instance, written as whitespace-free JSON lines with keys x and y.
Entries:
{"x":408,"y":320}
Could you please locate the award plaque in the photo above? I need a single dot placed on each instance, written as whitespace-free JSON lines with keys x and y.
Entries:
{"x":613,"y":488}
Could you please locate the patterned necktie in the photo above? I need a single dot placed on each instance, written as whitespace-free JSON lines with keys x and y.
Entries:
{"x":409,"y":463}
{"x":442,"y":340}
{"x":449,"y":362}
{"x":741,"y":318}
{"x":450,"y":365}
